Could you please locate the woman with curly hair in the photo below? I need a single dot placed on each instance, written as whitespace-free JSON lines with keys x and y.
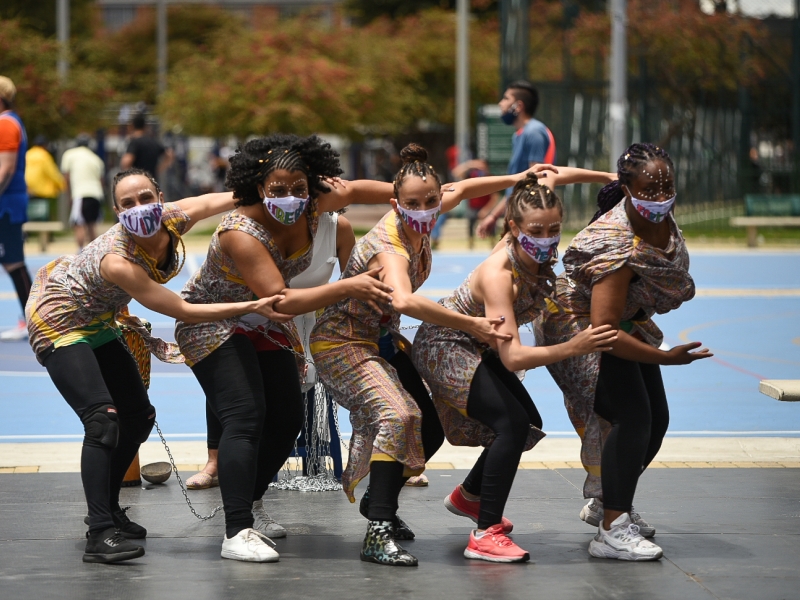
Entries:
{"x":247,"y":366}
{"x":365,"y":363}
{"x":75,"y":310}
{"x":628,"y":264}
{"x":479,"y":399}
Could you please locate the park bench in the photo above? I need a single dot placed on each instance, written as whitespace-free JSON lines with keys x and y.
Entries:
{"x":785,"y":390}
{"x":44,"y":229}
{"x":768,"y":210}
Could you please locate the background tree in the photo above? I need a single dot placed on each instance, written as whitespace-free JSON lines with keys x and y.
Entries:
{"x":47,"y":105}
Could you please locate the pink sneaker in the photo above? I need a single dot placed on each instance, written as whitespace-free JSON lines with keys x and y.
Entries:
{"x":457,"y":504}
{"x":494,"y":546}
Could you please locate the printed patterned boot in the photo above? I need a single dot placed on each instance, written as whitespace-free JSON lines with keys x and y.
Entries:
{"x":402,"y":531}
{"x":380,"y":546}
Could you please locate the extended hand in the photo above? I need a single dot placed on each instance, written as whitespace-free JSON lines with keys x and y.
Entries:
{"x":540,"y":168}
{"x":264,"y":307}
{"x":370,"y":289}
{"x":681,"y":355}
{"x":594,"y":339}
{"x":486,"y":227}
{"x":485,"y":330}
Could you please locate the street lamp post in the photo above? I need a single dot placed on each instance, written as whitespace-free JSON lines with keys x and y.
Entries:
{"x":462,"y":79}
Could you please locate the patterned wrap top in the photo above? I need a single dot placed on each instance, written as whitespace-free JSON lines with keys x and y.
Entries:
{"x":70,"y":302}
{"x":661,"y":283}
{"x":448,"y":358}
{"x":218,"y":280}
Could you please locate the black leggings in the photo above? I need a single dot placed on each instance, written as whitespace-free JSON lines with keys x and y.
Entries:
{"x":91,"y":378}
{"x":257,"y":399}
{"x":386,"y":477}
{"x":631,"y":397}
{"x":498,"y":399}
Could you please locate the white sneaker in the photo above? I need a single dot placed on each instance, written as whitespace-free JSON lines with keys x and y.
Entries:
{"x":250,"y":546}
{"x":266,"y":524}
{"x":623,"y":542}
{"x":592,"y":513}
{"x":16,"y":334}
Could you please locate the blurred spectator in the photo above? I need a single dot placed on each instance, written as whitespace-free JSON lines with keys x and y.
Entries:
{"x":44,"y":181}
{"x":144,"y":151}
{"x":13,"y":201}
{"x":84,"y":172}
{"x":476,"y":207}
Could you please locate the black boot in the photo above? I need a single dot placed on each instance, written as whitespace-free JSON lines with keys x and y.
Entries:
{"x":127,"y":528}
{"x":380,"y":546}
{"x":108,"y":546}
{"x":401,"y":529}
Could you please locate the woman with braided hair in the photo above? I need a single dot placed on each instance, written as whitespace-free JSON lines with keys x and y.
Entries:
{"x":628,"y":264}
{"x":248,"y":366}
{"x":76,"y":306}
{"x":479,"y":399}
{"x":365,"y":363}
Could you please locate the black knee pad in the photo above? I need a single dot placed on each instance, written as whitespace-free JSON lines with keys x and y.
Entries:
{"x":140,"y":424}
{"x":101,"y":425}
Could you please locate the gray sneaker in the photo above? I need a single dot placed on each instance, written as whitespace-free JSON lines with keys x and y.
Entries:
{"x":265,"y":524}
{"x":593,"y":514}
{"x":645,"y":529}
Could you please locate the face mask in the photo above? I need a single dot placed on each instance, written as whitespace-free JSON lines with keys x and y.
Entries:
{"x":421,"y":221}
{"x":539,"y":249}
{"x":286,"y":210}
{"x":143,"y":220}
{"x":653,"y":211}
{"x":509,"y":116}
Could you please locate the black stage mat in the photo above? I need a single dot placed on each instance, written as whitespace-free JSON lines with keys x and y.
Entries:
{"x":726,"y":533}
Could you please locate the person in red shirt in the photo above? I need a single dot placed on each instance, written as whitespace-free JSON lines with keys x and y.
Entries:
{"x":13,"y":201}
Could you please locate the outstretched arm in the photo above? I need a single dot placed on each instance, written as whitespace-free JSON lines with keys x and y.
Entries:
{"x":360,"y":191}
{"x":475,"y":187}
{"x":608,"y":303}
{"x":567,"y":175}
{"x":395,"y":273}
{"x":133,"y":279}
{"x":207,"y":205}
{"x":496,"y":288}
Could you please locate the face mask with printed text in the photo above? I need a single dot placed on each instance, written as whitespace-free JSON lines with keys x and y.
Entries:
{"x":539,"y":249}
{"x":286,"y":210}
{"x":654,"y":212}
{"x":143,"y":220}
{"x":421,"y":221}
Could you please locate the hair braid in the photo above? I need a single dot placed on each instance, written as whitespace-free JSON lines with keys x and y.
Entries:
{"x":415,"y":164}
{"x":258,"y":158}
{"x":629,"y":167}
{"x":529,"y":194}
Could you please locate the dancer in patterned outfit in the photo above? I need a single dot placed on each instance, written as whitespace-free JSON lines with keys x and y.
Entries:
{"x":630,"y":263}
{"x":74,"y":311}
{"x":395,"y":428}
{"x":247,"y":366}
{"x":479,"y":399}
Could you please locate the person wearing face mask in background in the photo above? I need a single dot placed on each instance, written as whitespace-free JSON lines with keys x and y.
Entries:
{"x":532,"y":142}
{"x":74,"y":312}
{"x":479,"y":399}
{"x":248,"y":366}
{"x":628,"y":264}
{"x":365,"y":364}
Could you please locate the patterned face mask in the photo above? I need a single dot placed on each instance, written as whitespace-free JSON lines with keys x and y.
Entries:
{"x":655,"y":212}
{"x":421,"y":221}
{"x":286,"y":210}
{"x":143,"y":220}
{"x":539,"y":249}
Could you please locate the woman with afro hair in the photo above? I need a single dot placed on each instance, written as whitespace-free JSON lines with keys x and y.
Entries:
{"x":628,"y":264}
{"x":247,"y":366}
{"x":366,"y":364}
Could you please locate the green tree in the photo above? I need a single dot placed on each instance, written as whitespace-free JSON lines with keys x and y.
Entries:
{"x":47,"y":105}
{"x":40,"y":15}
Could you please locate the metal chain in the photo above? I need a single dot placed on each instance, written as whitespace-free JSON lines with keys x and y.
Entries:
{"x":180,"y":481}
